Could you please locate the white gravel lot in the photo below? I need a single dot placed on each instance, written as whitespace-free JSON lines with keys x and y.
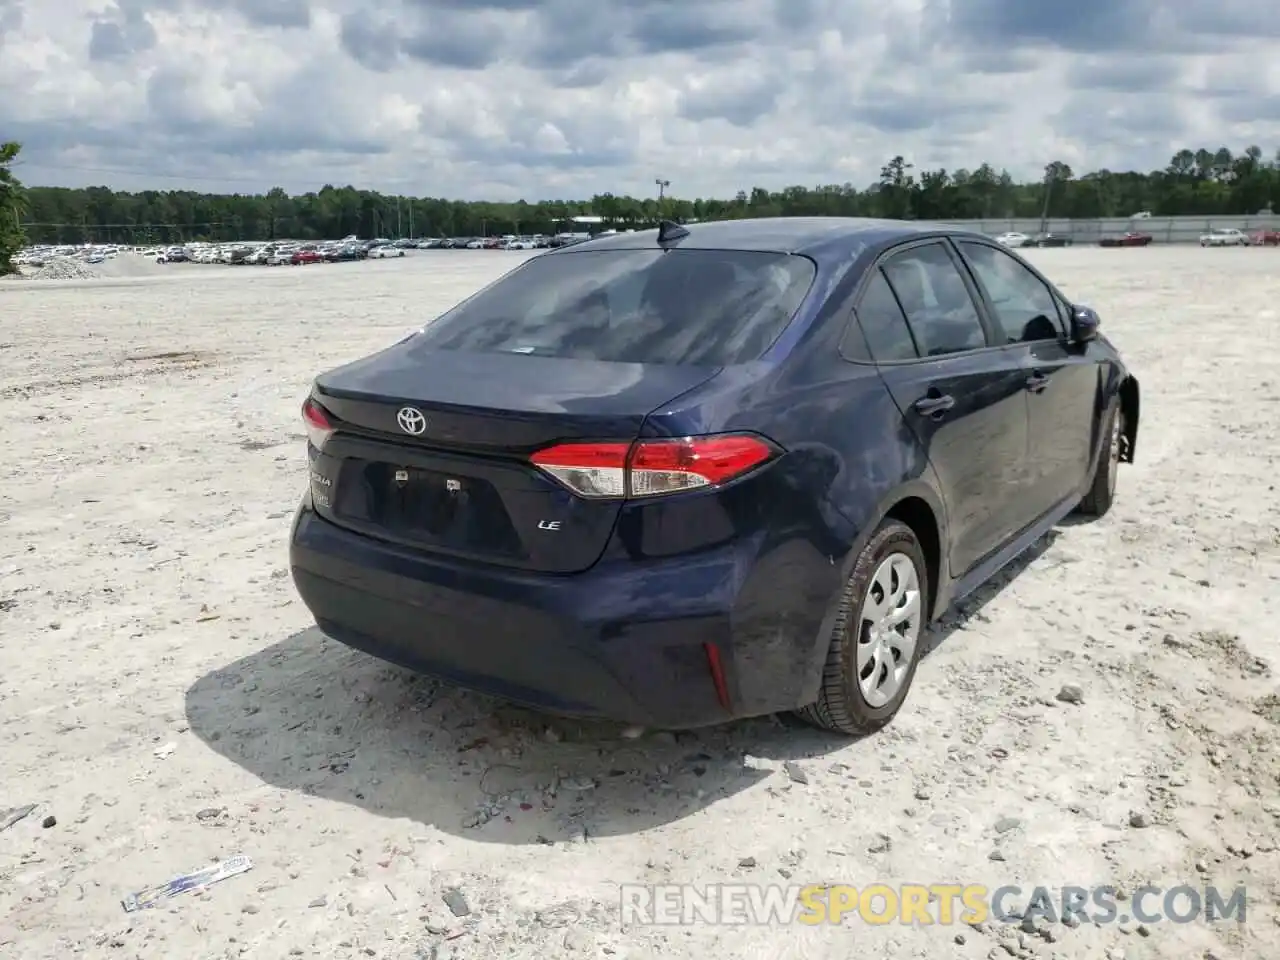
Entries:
{"x":162,"y":696}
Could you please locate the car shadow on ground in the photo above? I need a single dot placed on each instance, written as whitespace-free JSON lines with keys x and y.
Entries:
{"x":309,"y":715}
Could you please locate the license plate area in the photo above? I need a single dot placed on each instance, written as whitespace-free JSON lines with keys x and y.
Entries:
{"x":426,"y":506}
{"x":420,"y":501}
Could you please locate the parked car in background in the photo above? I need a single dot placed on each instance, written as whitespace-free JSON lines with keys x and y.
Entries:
{"x":757,"y":506}
{"x":385,"y":252}
{"x":347,"y":252}
{"x":1224,"y":237}
{"x":1266,"y":238}
{"x":1013,"y":239}
{"x":306,"y":256}
{"x":1052,"y":240}
{"x":1130,"y":239}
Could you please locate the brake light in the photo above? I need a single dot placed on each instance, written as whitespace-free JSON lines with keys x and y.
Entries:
{"x":649,"y":468}
{"x":319,"y":425}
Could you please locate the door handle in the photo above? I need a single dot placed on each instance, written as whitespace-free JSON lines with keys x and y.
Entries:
{"x":1037,"y":382}
{"x":935,"y":406}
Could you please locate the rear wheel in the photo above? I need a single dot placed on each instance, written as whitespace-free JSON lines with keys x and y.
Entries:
{"x":876,"y":641}
{"x":1103,"y":492}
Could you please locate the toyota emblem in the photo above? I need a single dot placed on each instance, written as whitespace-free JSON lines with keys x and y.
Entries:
{"x":412,"y":421}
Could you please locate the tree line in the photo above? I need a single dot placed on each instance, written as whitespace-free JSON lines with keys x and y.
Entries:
{"x":1195,"y":182}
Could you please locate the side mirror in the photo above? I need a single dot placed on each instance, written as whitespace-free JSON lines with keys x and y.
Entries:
{"x":1084,"y":324}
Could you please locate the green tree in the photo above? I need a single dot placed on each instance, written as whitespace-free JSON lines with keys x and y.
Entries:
{"x":12,"y":202}
{"x":1199,"y":182}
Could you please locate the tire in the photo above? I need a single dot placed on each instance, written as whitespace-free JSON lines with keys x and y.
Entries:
{"x":892,"y":556}
{"x":1102,"y":493}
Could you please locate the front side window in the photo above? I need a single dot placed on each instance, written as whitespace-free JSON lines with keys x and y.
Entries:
{"x":700,"y":307}
{"x":1025,"y":309}
{"x":939,"y":309}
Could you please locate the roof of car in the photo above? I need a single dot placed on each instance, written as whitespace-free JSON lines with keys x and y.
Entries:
{"x":776,"y":234}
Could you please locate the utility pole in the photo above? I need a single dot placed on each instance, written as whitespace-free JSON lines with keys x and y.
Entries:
{"x":1050,"y":177}
{"x":662,"y":188}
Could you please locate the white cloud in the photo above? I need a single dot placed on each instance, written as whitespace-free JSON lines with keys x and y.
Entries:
{"x":544,"y":98}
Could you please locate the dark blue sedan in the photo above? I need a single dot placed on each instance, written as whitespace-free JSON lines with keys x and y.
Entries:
{"x":704,"y":472}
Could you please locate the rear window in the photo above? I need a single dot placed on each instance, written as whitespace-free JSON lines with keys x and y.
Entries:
{"x":701,"y":307}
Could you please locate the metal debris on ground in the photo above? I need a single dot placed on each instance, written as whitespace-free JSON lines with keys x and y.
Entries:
{"x":152,"y":896}
{"x":9,"y":817}
{"x":456,"y":902}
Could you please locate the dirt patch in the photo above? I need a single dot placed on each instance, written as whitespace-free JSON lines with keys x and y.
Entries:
{"x":1268,"y":708}
{"x":159,"y":364}
{"x":1228,"y":647}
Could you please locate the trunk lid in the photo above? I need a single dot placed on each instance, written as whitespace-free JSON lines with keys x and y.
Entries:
{"x":458,"y":480}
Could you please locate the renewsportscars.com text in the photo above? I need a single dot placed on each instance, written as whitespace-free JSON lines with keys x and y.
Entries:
{"x":909,"y":904}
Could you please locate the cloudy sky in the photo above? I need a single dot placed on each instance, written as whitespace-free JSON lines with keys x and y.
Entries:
{"x":502,"y":99}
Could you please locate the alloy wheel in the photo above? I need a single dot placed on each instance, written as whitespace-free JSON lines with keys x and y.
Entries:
{"x":1113,"y":452}
{"x":889,"y":629}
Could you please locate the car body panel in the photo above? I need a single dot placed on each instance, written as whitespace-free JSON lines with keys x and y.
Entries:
{"x":978,"y":450}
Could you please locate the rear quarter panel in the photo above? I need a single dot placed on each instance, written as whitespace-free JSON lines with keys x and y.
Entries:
{"x":848,"y":457}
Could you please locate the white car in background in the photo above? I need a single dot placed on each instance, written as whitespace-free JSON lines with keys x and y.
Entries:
{"x":1224,"y":237}
{"x":1013,"y":239}
{"x":385,"y":252}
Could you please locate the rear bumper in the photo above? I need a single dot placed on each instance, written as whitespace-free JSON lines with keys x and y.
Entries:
{"x":626,"y":640}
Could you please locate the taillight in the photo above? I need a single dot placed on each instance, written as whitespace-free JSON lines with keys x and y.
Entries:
{"x":649,"y":468}
{"x":319,"y":426}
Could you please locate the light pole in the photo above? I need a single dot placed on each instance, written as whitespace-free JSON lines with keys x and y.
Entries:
{"x":662,"y":187}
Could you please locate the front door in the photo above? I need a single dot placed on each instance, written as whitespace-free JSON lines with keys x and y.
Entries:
{"x":1061,"y":379}
{"x":964,"y":400}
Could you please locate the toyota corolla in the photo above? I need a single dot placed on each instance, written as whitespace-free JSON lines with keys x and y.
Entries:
{"x":704,"y":472}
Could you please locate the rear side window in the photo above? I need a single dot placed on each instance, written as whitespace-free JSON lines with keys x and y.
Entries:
{"x":942,"y":314}
{"x":883,"y":323}
{"x":701,"y":307}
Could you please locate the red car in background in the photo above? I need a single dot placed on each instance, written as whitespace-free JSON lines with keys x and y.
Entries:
{"x":1266,"y":238}
{"x":1130,"y":239}
{"x":306,"y":256}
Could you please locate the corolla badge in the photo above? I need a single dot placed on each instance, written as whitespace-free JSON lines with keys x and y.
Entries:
{"x":412,"y":421}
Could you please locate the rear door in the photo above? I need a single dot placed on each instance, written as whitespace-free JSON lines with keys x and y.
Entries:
{"x":1062,"y":380}
{"x":964,"y":399}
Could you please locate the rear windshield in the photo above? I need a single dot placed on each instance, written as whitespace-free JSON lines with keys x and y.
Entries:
{"x":704,"y":307}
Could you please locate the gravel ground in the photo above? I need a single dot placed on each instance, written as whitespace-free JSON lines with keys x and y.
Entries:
{"x":163,"y":699}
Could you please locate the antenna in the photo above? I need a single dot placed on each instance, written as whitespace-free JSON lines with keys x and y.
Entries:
{"x":670,"y":232}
